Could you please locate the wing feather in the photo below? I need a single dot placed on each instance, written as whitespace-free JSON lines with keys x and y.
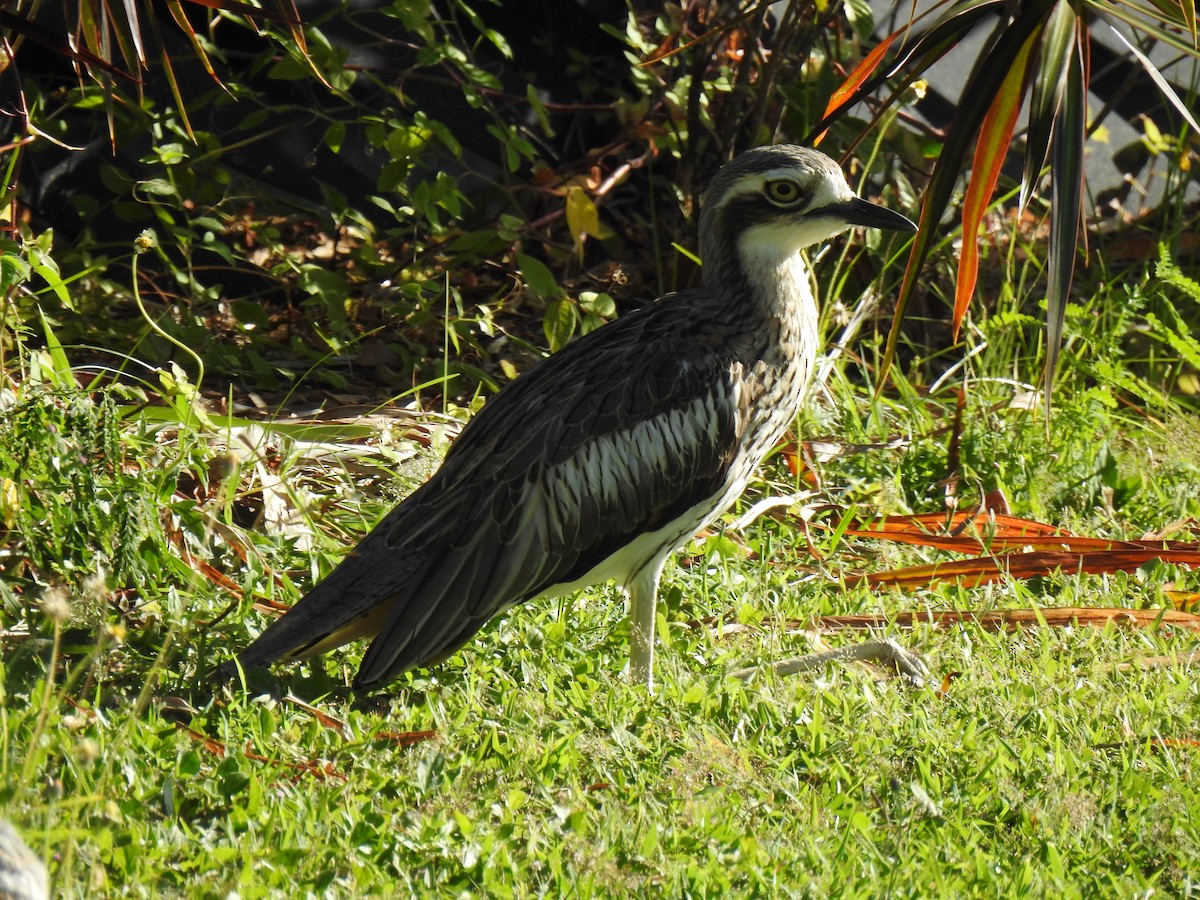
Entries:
{"x":620,"y":433}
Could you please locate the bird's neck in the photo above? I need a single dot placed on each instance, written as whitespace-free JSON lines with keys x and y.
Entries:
{"x":774,"y":298}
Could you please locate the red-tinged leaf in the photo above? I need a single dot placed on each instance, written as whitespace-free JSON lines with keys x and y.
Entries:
{"x":990,"y":569}
{"x":181,"y":20}
{"x":324,"y":719}
{"x":1011,"y":619}
{"x":313,"y":768}
{"x":247,"y":10}
{"x":985,"y":80}
{"x":212,"y":745}
{"x":1174,"y":742}
{"x":220,"y":579}
{"x":405,"y":738}
{"x":948,"y":679}
{"x":990,"y":151}
{"x":929,"y":525}
{"x":290,"y":14}
{"x":931,"y":46}
{"x":271,"y":607}
{"x":57,"y":43}
{"x":970,"y":532}
{"x":1066,"y":180}
{"x":854,"y":81}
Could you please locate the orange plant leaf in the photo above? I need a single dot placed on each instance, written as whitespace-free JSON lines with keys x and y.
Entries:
{"x":405,"y":738}
{"x":972,"y":532}
{"x":1009,"y":619}
{"x":987,"y":532}
{"x":313,"y":768}
{"x":989,"y":569}
{"x":990,"y":150}
{"x":324,"y":719}
{"x":1184,"y":600}
{"x":857,"y":76}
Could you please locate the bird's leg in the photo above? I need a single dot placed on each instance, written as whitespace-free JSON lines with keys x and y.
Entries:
{"x":642,"y":591}
{"x":882,"y":650}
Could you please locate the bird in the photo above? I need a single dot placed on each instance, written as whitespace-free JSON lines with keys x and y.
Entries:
{"x":604,"y":458}
{"x":22,"y":872}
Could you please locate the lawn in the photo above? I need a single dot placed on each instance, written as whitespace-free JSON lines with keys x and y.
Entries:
{"x":1036,"y":761}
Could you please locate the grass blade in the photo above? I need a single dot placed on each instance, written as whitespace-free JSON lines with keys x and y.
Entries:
{"x":180,"y":17}
{"x":1141,"y":19}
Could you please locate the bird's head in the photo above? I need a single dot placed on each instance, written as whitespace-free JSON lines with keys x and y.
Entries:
{"x":771,"y":202}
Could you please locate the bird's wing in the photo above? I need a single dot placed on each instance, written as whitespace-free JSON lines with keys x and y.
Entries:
{"x":617,"y":435}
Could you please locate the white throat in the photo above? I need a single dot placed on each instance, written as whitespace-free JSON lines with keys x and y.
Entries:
{"x":773,"y":261}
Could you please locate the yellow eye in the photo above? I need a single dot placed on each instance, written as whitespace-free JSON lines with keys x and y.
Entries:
{"x":783,"y":192}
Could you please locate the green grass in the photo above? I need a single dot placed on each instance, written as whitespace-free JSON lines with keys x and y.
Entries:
{"x":1033,"y":764}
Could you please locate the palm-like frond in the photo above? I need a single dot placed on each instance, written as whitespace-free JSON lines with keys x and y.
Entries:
{"x":1037,"y":54}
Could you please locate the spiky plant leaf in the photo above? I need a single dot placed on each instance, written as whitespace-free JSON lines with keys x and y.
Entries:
{"x":1066,"y":179}
{"x":986,"y":80}
{"x":1159,"y":81}
{"x":1058,"y":39}
{"x":990,"y":150}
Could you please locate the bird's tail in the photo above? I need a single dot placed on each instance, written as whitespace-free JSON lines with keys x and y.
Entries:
{"x":353,"y":602}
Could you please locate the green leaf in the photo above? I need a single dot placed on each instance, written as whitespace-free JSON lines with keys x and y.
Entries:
{"x":48,"y":269}
{"x":1159,"y":81}
{"x":559,"y":323}
{"x":13,"y":269}
{"x":335,"y":136}
{"x":1151,"y":24}
{"x":1066,"y":179}
{"x":1058,"y":40}
{"x":539,"y":279}
{"x":63,"y":377}
{"x":1166,"y":270}
{"x":861,"y":17}
{"x":597,"y":304}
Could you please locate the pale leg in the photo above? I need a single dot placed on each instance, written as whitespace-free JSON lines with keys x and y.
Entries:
{"x":642,"y":591}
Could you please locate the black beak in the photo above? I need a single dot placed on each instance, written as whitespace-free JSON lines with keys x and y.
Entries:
{"x":860,"y":212}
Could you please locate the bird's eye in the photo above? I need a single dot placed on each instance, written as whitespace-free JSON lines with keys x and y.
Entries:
{"x":783,"y":192}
